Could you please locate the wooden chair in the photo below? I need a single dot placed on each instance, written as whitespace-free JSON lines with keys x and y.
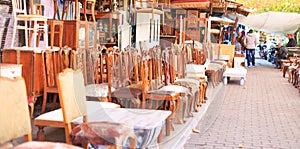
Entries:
{"x":50,"y":70}
{"x":73,"y":104}
{"x":71,"y":108}
{"x":65,"y":57}
{"x":128,"y":92}
{"x":195,"y":69}
{"x":195,"y":85}
{"x":109,"y":134}
{"x":151,"y":92}
{"x":14,"y":113}
{"x":20,"y":14}
{"x":67,"y":4}
{"x":170,"y":64}
{"x":99,"y":81}
{"x":55,"y":26}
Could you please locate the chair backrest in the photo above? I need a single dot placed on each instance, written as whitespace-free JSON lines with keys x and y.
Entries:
{"x":180,"y":62}
{"x":72,"y":96}
{"x":92,"y":65}
{"x":36,"y":7}
{"x":78,"y":60}
{"x":19,"y":7}
{"x":134,"y":69}
{"x":65,"y":58}
{"x":14,"y":112}
{"x":50,"y":67}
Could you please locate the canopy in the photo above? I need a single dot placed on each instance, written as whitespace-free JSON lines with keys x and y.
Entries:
{"x":273,"y":22}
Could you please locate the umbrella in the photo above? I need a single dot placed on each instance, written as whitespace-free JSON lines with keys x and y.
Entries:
{"x":273,"y":22}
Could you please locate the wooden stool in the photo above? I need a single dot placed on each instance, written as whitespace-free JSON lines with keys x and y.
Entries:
{"x":52,"y":24}
{"x":66,"y":7}
{"x":93,"y":2}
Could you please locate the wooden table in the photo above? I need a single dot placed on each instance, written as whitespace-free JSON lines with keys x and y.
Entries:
{"x":147,"y":123}
{"x":235,"y":73}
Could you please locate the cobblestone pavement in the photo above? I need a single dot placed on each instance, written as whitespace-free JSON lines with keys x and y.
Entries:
{"x":264,"y":113}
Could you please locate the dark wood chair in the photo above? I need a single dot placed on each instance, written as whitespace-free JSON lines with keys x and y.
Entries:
{"x":162,"y":99}
{"x":128,"y":91}
{"x":67,"y":5}
{"x":50,"y":70}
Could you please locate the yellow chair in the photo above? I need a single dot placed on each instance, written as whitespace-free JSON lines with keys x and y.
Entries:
{"x":14,"y":112}
{"x":73,"y":104}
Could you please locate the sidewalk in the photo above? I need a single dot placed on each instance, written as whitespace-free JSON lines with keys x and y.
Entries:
{"x":264,"y":113}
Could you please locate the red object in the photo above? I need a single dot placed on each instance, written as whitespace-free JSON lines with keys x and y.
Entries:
{"x":29,"y":99}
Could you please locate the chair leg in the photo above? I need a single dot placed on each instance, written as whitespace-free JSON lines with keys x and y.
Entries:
{"x":52,"y":28}
{"x":40,"y":134}
{"x":93,"y":12}
{"x":13,"y":34}
{"x":44,"y":102}
{"x":197,"y":101}
{"x":45,"y":33}
{"x":68,"y":129}
{"x":31,"y":106}
{"x":26,"y":35}
{"x":61,"y":28}
{"x":35,"y":32}
{"x":178,"y":103}
{"x":84,"y":10}
{"x":54,"y":101}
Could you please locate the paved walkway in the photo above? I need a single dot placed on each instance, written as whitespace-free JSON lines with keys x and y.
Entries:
{"x":265,"y":113}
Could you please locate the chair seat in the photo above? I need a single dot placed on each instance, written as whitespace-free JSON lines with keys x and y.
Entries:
{"x":51,"y":89}
{"x":174,"y":88}
{"x":97,"y":90}
{"x":163,"y":92}
{"x":32,"y":17}
{"x":127,"y":92}
{"x":192,"y":84}
{"x":55,"y":117}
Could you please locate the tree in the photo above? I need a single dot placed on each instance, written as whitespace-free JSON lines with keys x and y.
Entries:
{"x":273,"y":5}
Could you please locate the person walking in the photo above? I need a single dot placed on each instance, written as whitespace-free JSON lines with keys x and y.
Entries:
{"x":250,"y":42}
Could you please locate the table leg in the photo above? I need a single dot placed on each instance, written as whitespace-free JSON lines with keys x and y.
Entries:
{"x":225,"y":80}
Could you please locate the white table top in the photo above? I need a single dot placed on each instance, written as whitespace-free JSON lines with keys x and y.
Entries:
{"x":138,"y":118}
{"x":35,"y":50}
{"x":235,"y":72}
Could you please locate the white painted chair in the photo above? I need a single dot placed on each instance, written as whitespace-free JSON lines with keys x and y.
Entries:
{"x":20,"y":14}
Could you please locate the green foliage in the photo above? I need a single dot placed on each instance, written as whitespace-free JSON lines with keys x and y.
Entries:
{"x":273,"y":5}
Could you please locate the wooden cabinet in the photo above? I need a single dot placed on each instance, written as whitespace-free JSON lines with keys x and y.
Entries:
{"x":107,"y":28}
{"x":79,"y":34}
{"x":168,"y":28}
{"x":32,"y":68}
{"x":110,"y":5}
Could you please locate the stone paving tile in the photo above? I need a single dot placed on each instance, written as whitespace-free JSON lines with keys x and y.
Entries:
{"x":264,"y":113}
